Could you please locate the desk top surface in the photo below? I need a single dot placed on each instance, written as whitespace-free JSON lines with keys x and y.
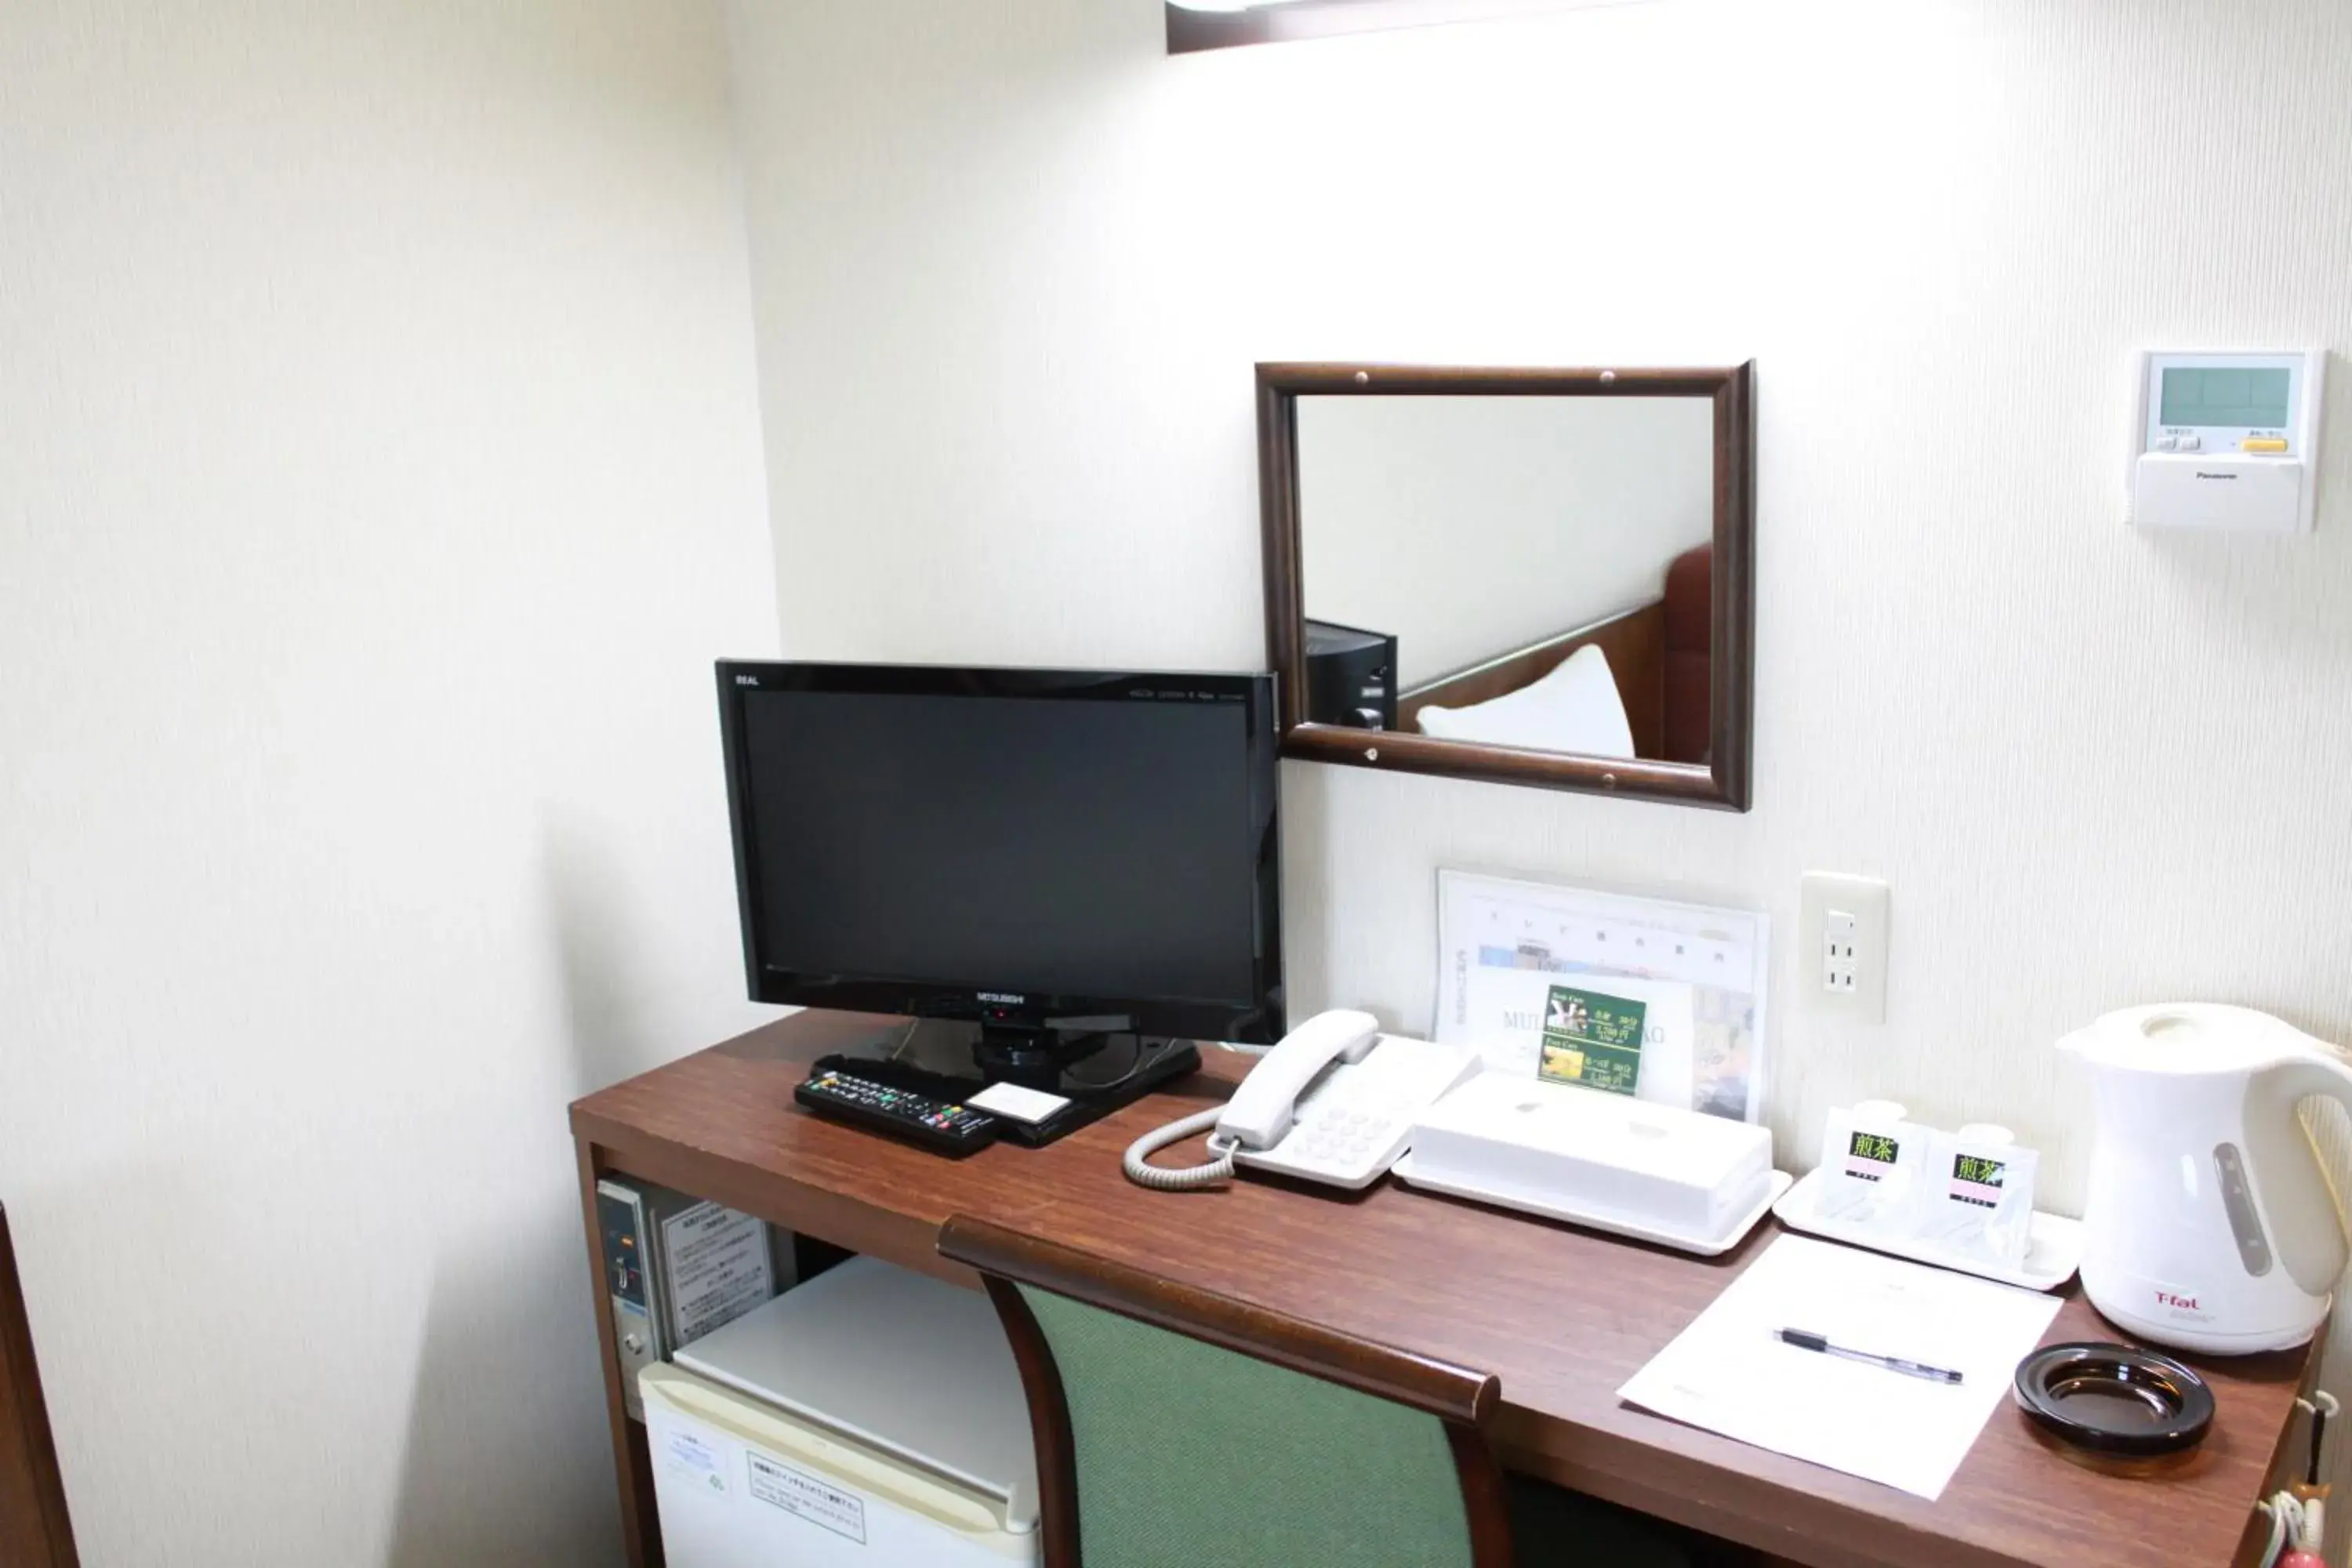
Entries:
{"x":1562,"y":1316}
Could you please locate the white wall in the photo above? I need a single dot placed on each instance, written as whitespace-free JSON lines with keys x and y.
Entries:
{"x":1470,"y":527}
{"x":1011,"y":273}
{"x":379,"y":474}
{"x":1013,"y":270}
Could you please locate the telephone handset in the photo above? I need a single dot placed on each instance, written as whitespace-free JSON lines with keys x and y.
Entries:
{"x":1334,"y":1102}
{"x":1259,"y":1114}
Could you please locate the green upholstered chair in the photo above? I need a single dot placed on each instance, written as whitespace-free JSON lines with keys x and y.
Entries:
{"x":1177,"y":1428}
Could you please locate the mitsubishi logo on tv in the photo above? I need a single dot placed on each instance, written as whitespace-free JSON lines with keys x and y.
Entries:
{"x":1004,"y":998}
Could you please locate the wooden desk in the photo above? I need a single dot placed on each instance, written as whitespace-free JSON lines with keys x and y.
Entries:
{"x":1562,"y":1316}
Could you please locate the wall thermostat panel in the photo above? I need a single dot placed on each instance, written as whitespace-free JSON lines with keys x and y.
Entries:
{"x":2228,"y":441}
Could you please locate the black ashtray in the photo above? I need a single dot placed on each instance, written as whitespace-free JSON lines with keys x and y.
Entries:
{"x":2115,"y":1402}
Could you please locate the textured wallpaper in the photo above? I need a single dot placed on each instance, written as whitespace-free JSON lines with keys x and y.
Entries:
{"x":379,"y":474}
{"x":1012,"y":277}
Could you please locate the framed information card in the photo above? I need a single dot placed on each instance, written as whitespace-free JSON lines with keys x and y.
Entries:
{"x":1638,"y":996}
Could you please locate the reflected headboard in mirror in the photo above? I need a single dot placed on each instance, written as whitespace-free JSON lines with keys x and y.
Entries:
{"x":1528,"y":576}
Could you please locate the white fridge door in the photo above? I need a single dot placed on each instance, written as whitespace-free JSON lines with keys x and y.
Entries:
{"x":742,"y":1486}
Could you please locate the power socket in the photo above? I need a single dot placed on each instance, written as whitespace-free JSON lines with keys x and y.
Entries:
{"x":1839,"y":928}
{"x":1843,"y":940}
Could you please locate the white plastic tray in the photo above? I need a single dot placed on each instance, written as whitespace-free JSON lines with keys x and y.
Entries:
{"x":1615,"y":1225}
{"x":2053,"y":1246}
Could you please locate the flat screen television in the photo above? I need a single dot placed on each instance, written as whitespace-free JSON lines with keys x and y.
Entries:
{"x":1031,"y":849}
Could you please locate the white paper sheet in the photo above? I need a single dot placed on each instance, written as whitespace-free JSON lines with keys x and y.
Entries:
{"x":1493,"y":928}
{"x":1020,"y":1104}
{"x":719,"y":1269}
{"x":1728,"y":1373}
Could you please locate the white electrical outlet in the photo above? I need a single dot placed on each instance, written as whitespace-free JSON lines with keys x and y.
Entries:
{"x":1838,"y":927}
{"x":1843,"y":938}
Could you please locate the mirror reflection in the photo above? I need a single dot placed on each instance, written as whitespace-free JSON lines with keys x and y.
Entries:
{"x":1530,"y":570}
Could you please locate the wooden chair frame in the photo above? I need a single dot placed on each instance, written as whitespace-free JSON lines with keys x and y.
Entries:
{"x":35,"y":1532}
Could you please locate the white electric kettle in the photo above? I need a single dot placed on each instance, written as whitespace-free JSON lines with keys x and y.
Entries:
{"x":2210,"y":1225}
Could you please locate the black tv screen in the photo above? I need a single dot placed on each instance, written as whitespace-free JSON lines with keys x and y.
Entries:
{"x":1014,"y":844}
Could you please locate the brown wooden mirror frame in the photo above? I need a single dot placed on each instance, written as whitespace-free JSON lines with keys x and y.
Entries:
{"x":1722,"y":780}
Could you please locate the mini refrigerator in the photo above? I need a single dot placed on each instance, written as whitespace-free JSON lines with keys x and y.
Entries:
{"x":870,"y":1418}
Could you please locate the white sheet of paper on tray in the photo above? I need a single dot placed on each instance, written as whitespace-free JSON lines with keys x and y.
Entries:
{"x":1494,"y":931}
{"x":1730,"y":1374}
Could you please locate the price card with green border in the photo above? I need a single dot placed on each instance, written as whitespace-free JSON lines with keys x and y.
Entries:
{"x":1594,"y":1039}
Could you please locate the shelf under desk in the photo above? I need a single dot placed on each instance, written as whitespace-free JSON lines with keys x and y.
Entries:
{"x":1561,"y":1316}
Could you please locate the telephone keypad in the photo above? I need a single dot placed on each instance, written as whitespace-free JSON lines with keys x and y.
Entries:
{"x":1354,"y":1119}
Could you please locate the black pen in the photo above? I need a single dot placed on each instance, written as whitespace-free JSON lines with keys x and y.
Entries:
{"x":1811,"y":1342}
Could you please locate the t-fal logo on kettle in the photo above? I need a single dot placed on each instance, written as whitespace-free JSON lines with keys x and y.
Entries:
{"x":2178,"y":1303}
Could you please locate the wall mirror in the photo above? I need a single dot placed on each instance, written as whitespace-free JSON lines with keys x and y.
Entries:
{"x":1531,"y":576}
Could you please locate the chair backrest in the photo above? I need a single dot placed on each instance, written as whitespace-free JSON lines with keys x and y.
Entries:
{"x":1179,"y":1429}
{"x":33,"y":1530}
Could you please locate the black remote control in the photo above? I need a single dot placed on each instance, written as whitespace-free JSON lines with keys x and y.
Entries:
{"x":951,"y":1129}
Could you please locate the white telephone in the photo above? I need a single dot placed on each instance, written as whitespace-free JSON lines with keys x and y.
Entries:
{"x":1334,"y":1102}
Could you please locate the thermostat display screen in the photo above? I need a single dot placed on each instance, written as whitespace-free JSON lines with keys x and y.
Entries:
{"x":2234,"y":399}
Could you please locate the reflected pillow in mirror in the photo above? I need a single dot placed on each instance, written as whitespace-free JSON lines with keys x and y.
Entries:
{"x":1576,"y":707}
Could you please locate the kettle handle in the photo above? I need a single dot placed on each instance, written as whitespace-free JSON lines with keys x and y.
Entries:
{"x":2306,"y":1228}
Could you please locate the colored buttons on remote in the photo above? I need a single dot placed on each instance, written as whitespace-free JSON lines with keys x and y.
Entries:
{"x":935,"y":1124}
